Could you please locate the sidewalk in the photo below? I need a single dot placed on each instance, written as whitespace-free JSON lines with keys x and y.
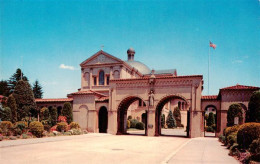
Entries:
{"x":202,"y":150}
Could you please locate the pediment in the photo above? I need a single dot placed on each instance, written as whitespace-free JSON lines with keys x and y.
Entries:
{"x":101,"y":57}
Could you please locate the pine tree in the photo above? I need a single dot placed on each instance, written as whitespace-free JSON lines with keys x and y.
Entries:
{"x":11,"y":103}
{"x":54,"y":115}
{"x":177,"y":116}
{"x":37,"y":89}
{"x":13,"y":80}
{"x":171,"y":123}
{"x":67,"y":112}
{"x":4,"y":90}
{"x":24,"y":98}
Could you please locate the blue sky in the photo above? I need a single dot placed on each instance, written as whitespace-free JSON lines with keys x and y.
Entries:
{"x":40,"y":35}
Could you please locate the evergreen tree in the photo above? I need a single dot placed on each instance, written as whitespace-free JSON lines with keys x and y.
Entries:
{"x":211,"y":119}
{"x":17,"y":76}
{"x":53,"y":115}
{"x":67,"y":112}
{"x":11,"y":103}
{"x":6,"y":114}
{"x":162,"y":120}
{"x":37,"y":90}
{"x":4,"y":90}
{"x":254,"y":107}
{"x":44,"y":113}
{"x":177,"y":116}
{"x":24,"y":98}
{"x":171,"y":123}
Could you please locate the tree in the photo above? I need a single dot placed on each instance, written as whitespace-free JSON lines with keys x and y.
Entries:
{"x":67,"y":112}
{"x":6,"y":114}
{"x":24,"y":98}
{"x":4,"y":90}
{"x":211,"y":119}
{"x":254,"y":107}
{"x":37,"y":89}
{"x":53,"y":115}
{"x":177,"y":116}
{"x":44,"y":113}
{"x":171,"y":123}
{"x":234,"y":110}
{"x":163,"y":120}
{"x":11,"y":103}
{"x":13,"y":80}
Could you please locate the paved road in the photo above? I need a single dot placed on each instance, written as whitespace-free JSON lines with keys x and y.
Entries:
{"x":105,"y":148}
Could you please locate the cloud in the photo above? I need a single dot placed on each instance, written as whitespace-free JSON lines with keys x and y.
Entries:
{"x":237,"y":61}
{"x":63,"y":66}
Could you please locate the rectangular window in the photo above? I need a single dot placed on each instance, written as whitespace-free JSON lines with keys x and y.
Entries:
{"x":95,"y":80}
{"x":107,"y":80}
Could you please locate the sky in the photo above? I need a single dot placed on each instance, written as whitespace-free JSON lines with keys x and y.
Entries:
{"x":48,"y":39}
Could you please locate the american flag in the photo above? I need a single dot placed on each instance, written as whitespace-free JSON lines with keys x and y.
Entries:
{"x":212,"y":45}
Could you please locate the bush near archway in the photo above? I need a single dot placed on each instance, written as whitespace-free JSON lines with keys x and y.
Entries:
{"x":247,"y":133}
{"x":234,"y":110}
{"x":171,"y":122}
{"x":177,"y":116}
{"x":211,"y":119}
{"x":254,"y":107}
{"x":163,"y":121}
{"x":140,"y":126}
{"x":36,"y":128}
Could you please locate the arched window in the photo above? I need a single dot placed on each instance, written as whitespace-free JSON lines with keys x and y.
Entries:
{"x":101,"y":78}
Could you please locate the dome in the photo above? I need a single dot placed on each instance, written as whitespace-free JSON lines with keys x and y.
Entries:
{"x":130,"y":51}
{"x":142,"y":68}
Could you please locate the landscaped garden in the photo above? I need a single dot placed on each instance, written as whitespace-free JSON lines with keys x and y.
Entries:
{"x":243,"y":140}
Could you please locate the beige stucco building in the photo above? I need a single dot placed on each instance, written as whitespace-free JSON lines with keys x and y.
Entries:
{"x":111,"y":89}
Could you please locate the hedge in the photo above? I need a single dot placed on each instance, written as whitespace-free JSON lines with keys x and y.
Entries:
{"x":36,"y":128}
{"x":247,"y":133}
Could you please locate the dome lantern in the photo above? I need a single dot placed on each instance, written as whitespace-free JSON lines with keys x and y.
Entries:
{"x":131,"y":54}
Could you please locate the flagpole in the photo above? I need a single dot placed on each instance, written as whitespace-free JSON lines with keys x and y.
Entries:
{"x":208,"y":69}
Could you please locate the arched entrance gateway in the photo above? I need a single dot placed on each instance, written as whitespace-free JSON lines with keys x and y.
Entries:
{"x":160,"y":95}
{"x":102,"y":120}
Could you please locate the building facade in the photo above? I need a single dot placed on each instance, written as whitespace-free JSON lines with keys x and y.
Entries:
{"x":112,"y":89}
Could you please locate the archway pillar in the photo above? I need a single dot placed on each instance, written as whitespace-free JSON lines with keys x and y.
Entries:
{"x":112,"y":122}
{"x":151,"y":122}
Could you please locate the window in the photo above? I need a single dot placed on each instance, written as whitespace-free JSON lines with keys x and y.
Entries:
{"x":107,"y":80}
{"x":95,"y":80}
{"x":101,"y":78}
{"x":179,"y":105}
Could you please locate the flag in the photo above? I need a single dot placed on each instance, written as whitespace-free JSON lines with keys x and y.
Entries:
{"x":212,"y":45}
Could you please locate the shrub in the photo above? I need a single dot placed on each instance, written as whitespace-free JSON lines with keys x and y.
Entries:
{"x":129,"y":117}
{"x":54,"y":128}
{"x":209,"y":129}
{"x":231,"y":139}
{"x":62,"y":126}
{"x":36,"y":128}
{"x":233,"y":149}
{"x":44,"y":113}
{"x":24,"y":136}
{"x":22,"y":122}
{"x":171,"y":122}
{"x":12,"y":138}
{"x":67,"y":133}
{"x":47,"y":127}
{"x":6,"y":127}
{"x":128,"y":124}
{"x":247,"y":133}
{"x":74,"y":125}
{"x":140,"y":126}
{"x":1,"y":138}
{"x":163,"y":121}
{"x":229,"y":130}
{"x":133,"y":123}
{"x":6,"y":114}
{"x":254,"y":107}
{"x":53,"y":116}
{"x":11,"y":103}
{"x":76,"y":131}
{"x":211,"y":119}
{"x":234,"y":110}
{"x":222,"y":138}
{"x":254,"y":147}
{"x":177,"y":116}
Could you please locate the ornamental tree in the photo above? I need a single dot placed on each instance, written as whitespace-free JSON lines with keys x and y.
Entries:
{"x":254,"y":107}
{"x":234,"y":110}
{"x":211,"y":119}
{"x":11,"y":103}
{"x":53,"y":115}
{"x":24,"y":98}
{"x":177,"y":116}
{"x":171,"y":123}
{"x":67,"y":112}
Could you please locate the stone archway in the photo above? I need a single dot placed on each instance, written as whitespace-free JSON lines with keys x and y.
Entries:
{"x":122,"y":114}
{"x":158,"y":112}
{"x":102,"y":120}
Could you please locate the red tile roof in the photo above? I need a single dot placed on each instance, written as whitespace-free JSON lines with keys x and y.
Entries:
{"x":209,"y":97}
{"x":102,"y":99}
{"x":88,"y":92}
{"x":240,"y":87}
{"x":54,"y":100}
